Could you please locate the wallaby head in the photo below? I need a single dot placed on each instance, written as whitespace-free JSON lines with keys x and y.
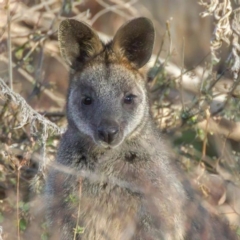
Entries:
{"x":107,"y":100}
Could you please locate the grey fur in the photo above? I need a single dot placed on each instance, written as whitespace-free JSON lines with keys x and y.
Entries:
{"x":127,"y":186}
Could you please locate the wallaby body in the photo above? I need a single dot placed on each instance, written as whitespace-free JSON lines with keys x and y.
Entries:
{"x":114,"y":178}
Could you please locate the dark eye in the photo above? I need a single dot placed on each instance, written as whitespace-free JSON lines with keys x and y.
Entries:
{"x":87,"y":101}
{"x":129,"y":99}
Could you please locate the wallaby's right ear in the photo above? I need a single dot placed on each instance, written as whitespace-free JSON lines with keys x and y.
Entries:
{"x":78,"y":42}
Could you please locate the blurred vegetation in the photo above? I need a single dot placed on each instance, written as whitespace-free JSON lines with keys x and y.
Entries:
{"x":193,"y":85}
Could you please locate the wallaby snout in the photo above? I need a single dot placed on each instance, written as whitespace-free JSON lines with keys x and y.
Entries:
{"x":108,"y":131}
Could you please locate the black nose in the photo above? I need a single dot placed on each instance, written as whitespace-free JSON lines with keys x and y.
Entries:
{"x":108,"y":131}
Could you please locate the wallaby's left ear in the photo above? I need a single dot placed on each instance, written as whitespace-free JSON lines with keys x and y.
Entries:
{"x":134,"y":41}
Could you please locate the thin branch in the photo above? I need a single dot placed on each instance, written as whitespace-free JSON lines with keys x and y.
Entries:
{"x":59,"y":101}
{"x":115,"y":8}
{"x":9,"y":42}
{"x":17,"y":204}
{"x":182,"y":69}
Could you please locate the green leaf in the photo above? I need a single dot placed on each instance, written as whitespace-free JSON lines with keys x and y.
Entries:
{"x":1,"y":217}
{"x":19,"y":53}
{"x":44,"y":236}
{"x":22,"y":224}
{"x":24,"y":206}
{"x":72,"y":199}
{"x":29,"y":68}
{"x":238,"y":231}
{"x":79,"y":230}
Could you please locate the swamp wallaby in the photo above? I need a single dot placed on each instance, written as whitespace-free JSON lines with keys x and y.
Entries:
{"x":114,"y":178}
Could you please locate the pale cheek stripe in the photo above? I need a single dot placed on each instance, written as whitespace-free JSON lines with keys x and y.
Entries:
{"x":82,"y":127}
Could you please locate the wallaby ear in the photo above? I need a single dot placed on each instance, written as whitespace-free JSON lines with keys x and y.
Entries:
{"x":134,"y":41}
{"x":78,"y":42}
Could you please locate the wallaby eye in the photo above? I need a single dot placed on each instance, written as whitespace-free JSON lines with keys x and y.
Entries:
{"x":87,"y":101}
{"x":129,"y":99}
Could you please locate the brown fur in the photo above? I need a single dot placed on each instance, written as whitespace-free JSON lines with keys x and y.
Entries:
{"x":114,"y":177}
